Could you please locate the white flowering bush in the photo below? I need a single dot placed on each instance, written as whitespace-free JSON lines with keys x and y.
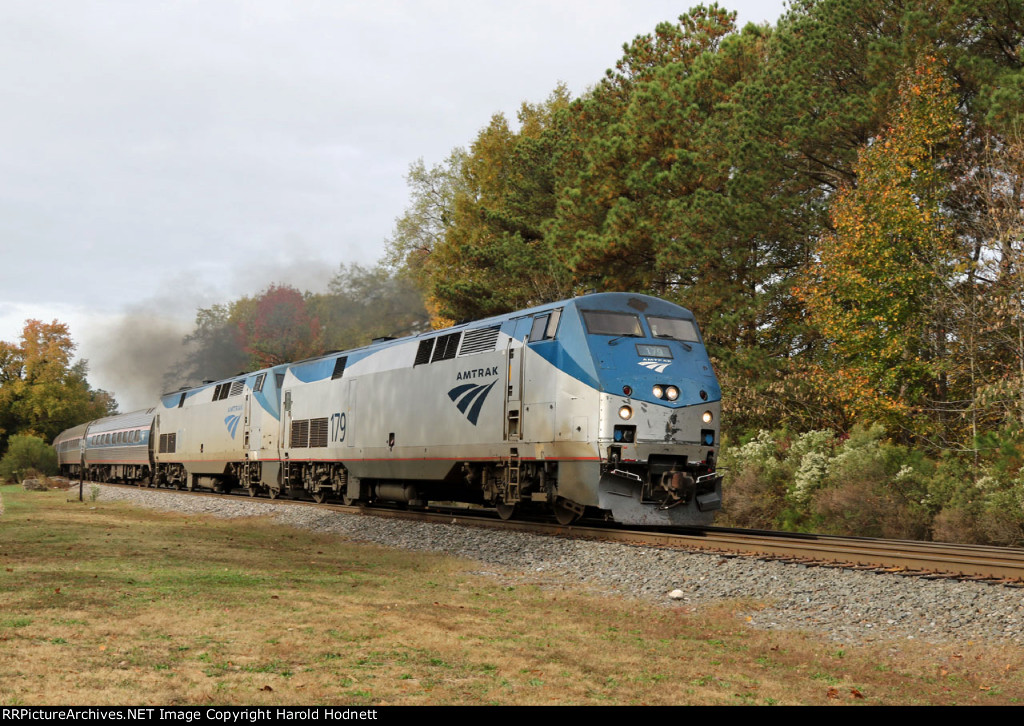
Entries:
{"x":812,"y":453}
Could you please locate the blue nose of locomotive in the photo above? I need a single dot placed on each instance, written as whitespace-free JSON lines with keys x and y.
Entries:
{"x":648,"y":350}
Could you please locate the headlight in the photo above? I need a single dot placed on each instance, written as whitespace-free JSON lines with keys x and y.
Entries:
{"x":672,"y":392}
{"x":659,"y":392}
{"x":707,"y":417}
{"x":625,"y":413}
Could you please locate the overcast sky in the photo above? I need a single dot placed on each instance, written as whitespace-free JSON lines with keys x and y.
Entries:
{"x":156,"y":156}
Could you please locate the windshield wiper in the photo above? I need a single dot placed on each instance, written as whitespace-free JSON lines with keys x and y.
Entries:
{"x":681,"y":342}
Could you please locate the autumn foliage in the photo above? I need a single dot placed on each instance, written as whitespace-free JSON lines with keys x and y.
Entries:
{"x":42,"y":392}
{"x":873,"y":289}
{"x":836,"y":197}
{"x":277,"y":327}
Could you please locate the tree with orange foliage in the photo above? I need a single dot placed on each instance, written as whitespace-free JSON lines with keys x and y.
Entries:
{"x":41,"y":391}
{"x":873,"y":288}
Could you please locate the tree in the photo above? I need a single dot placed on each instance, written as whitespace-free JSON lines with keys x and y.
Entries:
{"x":429,"y":216}
{"x":705,"y":167}
{"x":277,"y":327}
{"x":41,"y":391}
{"x":875,"y":288}
{"x":365,"y":303}
{"x":214,"y":348}
{"x":494,"y":256}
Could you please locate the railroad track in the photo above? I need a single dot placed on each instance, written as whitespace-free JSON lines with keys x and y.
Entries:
{"x":930,"y":560}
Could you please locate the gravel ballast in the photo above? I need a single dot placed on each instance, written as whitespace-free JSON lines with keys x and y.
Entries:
{"x":847,"y":606}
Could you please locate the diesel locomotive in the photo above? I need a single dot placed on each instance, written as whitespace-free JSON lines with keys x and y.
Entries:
{"x":604,"y":405}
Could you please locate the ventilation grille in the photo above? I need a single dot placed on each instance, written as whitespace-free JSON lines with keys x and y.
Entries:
{"x":481,"y":340}
{"x":317,"y":432}
{"x":339,"y":368}
{"x":424,"y":351}
{"x":300,"y":434}
{"x":237,"y":387}
{"x":446,"y":347}
{"x":168,"y":443}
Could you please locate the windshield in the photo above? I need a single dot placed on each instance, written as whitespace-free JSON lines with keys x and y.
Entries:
{"x":674,"y":328}
{"x":603,"y":323}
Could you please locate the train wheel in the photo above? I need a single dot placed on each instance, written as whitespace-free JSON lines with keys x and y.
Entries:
{"x":565,"y":514}
{"x":505,"y":510}
{"x":251,"y":490}
{"x":320,"y":497}
{"x":273,"y":493}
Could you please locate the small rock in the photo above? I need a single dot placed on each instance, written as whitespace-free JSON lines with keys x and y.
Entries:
{"x":34,"y":485}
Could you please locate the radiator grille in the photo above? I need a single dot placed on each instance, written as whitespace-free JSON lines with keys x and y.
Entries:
{"x":481,"y":340}
{"x":317,"y":432}
{"x":300,"y":434}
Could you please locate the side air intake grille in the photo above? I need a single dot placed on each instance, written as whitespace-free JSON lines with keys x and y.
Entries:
{"x":481,"y":340}
{"x":424,"y":351}
{"x":446,"y":347}
{"x":300,"y":434}
{"x":317,"y":432}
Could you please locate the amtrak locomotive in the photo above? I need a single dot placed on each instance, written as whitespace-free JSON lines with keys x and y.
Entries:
{"x":604,"y":405}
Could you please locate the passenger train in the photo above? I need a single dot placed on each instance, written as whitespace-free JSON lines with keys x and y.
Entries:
{"x":605,"y":405}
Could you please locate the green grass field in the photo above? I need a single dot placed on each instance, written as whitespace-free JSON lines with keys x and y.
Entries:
{"x":101,"y":604}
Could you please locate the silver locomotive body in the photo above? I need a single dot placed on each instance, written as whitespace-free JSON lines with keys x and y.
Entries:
{"x":604,"y":404}
{"x":221,"y":435}
{"x":583,"y":404}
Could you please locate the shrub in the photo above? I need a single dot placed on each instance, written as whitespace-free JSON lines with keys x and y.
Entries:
{"x":27,"y":453}
{"x":755,"y":494}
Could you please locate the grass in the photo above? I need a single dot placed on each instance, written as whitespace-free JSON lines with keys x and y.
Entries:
{"x":101,"y":603}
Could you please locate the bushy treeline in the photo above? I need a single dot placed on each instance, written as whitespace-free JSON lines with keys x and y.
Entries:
{"x":836,"y":197}
{"x":864,"y":484}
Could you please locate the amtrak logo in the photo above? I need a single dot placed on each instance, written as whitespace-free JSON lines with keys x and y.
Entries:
{"x":657,"y":366}
{"x":232,"y":423}
{"x":471,"y":396}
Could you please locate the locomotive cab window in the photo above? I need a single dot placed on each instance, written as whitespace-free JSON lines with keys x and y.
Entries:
{"x":606,"y":323}
{"x":545,"y":326}
{"x":674,"y":328}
